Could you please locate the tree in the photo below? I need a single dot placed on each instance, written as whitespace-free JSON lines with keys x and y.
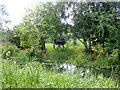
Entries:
{"x":82,"y":27}
{"x":40,"y":23}
{"x":107,"y":26}
{"x":96,"y":19}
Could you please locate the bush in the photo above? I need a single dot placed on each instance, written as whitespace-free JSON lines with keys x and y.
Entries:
{"x":113,"y":58}
{"x":99,"y":50}
{"x":9,"y":50}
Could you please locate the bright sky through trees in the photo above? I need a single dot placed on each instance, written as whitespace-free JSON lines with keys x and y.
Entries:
{"x":16,"y":9}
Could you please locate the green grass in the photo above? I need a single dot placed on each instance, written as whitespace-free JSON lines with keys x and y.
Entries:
{"x":74,"y":54}
{"x":58,"y":54}
{"x":49,"y":47}
{"x":33,"y":75}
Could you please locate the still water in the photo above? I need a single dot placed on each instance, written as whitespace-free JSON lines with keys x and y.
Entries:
{"x":113,"y":72}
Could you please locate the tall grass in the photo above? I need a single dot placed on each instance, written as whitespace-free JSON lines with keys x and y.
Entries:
{"x":33,"y":75}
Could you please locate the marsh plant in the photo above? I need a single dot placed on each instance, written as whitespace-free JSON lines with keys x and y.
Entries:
{"x":33,"y":75}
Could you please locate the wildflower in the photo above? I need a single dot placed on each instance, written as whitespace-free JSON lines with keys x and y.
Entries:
{"x":14,"y":62}
{"x":8,"y":53}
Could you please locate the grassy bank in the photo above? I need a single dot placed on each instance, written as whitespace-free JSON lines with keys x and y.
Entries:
{"x":33,"y":75}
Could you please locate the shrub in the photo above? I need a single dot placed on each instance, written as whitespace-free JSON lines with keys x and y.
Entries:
{"x":99,"y":50}
{"x":9,"y":50}
{"x":113,"y":58}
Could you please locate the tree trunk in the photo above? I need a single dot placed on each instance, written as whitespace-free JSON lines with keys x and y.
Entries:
{"x":89,"y":42}
{"x":87,"y":47}
{"x":53,"y":45}
{"x":42,"y":45}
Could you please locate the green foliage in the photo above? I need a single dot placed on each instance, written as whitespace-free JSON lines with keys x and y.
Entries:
{"x":72,"y":55}
{"x":22,"y":70}
{"x":113,"y":58}
{"x":8,"y":50}
{"x":48,"y":21}
{"x":32,"y":75}
{"x":98,"y":21}
{"x":99,"y":50}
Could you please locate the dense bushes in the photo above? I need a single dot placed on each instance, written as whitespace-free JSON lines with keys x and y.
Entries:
{"x":113,"y":58}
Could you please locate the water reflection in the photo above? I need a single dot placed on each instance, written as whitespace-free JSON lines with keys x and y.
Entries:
{"x":69,"y":68}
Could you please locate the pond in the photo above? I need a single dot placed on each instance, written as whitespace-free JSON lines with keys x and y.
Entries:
{"x":113,"y":72}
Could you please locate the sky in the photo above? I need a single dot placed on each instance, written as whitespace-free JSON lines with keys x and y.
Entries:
{"x":16,"y":9}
